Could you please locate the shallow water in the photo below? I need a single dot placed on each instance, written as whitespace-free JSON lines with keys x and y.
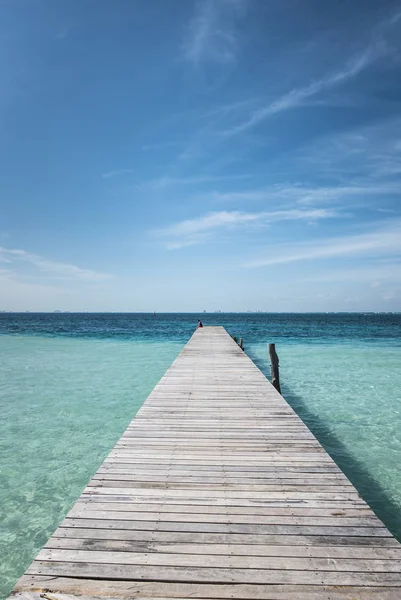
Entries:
{"x":63,"y":405}
{"x":70,"y":384}
{"x":350,"y":397}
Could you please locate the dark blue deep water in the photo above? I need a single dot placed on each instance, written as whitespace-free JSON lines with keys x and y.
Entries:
{"x":253,"y":327}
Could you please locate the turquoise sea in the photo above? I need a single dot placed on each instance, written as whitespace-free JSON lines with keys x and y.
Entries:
{"x":70,"y":384}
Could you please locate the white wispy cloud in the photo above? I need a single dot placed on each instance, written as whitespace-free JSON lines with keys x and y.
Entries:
{"x":342,"y":193}
{"x":161,"y":145}
{"x":163,"y":182}
{"x":288,"y":194}
{"x":62,"y":34}
{"x":374,"y":273}
{"x":197,"y":230}
{"x":385,"y":240}
{"x":15,"y":257}
{"x":212,"y":34}
{"x":117,"y":173}
{"x":193,"y":240}
{"x":297,"y":96}
{"x":237,"y":107}
{"x":371,"y":154}
{"x":377,"y":49}
{"x":395,"y":18}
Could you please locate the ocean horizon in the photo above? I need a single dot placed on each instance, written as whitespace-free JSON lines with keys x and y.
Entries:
{"x":71,"y":383}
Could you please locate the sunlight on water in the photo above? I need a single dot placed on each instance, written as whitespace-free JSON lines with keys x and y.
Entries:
{"x":63,"y":405}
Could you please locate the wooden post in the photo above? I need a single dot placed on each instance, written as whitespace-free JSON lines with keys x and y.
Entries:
{"x":274,"y":367}
{"x":241,"y":343}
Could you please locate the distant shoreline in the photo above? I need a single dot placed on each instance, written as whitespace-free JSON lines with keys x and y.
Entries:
{"x":229,"y":312}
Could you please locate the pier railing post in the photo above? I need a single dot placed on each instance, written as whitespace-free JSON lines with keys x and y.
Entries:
{"x":274,"y":367}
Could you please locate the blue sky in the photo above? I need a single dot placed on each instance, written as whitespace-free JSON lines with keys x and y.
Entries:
{"x":185,"y":155}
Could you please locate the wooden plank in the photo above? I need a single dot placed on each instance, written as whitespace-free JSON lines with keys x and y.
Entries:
{"x":225,"y":485}
{"x":212,"y":575}
{"x":68,"y":588}
{"x":217,"y":490}
{"x":227,"y":549}
{"x":223,"y":538}
{"x":321,"y":521}
{"x":150,"y":466}
{"x":104,"y":488}
{"x":368,"y":531}
{"x":285,"y":500}
{"x":257,"y":512}
{"x":292,"y":563}
{"x":272,"y":483}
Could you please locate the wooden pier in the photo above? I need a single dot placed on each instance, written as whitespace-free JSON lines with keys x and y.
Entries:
{"x":217,"y":490}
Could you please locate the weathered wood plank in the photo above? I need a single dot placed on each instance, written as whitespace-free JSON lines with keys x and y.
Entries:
{"x":224,"y":538}
{"x":226,"y":549}
{"x":256,"y":512}
{"x":320,"y":521}
{"x":211,"y":574}
{"x":172,"y":492}
{"x":63,"y":588}
{"x":292,"y":563}
{"x":221,"y":501}
{"x":370,"y":531}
